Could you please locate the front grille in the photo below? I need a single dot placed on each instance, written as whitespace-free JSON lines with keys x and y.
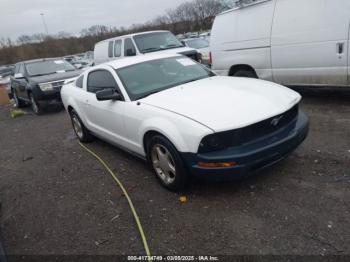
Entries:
{"x":269,"y":126}
{"x":250,"y":133}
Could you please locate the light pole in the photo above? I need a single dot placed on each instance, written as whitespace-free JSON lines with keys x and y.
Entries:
{"x":45,"y":26}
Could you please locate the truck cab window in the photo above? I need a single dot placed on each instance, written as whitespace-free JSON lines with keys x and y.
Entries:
{"x":110,"y":49}
{"x":129,"y":48}
{"x":117,"y":48}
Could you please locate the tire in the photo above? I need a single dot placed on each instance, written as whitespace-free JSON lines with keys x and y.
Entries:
{"x":37,"y":109}
{"x":83,"y":134}
{"x":166,"y":163}
{"x":245,"y":73}
{"x":18,"y":102}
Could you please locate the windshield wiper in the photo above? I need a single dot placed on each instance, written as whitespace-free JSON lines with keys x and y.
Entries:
{"x":151,"y":49}
{"x":43,"y":74}
{"x":194,"y":80}
{"x":172,"y":46}
{"x":149,"y":94}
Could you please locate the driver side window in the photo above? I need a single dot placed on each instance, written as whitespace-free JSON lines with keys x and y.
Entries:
{"x":100,"y":80}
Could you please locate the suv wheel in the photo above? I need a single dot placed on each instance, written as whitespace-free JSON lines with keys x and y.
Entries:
{"x":80,"y":130}
{"x":18,"y":102}
{"x":166,"y":163}
{"x":35,"y":105}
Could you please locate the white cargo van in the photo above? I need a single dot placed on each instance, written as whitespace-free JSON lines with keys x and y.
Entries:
{"x":292,"y":42}
{"x":139,"y":44}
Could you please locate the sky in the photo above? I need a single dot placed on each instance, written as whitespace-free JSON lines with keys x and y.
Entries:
{"x":22,"y":17}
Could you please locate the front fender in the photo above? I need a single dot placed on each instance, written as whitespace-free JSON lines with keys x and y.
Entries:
{"x":68,"y":101}
{"x":167,"y":129}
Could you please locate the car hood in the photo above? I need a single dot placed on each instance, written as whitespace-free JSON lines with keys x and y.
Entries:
{"x":55,"y":77}
{"x":225,"y":103}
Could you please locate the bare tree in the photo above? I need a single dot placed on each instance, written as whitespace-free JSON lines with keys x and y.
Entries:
{"x":24,"y":39}
{"x":192,"y":15}
{"x":63,"y":34}
{"x":95,"y":30}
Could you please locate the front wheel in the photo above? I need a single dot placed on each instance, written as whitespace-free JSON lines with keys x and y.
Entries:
{"x":35,"y":105}
{"x":80,"y":130}
{"x":166,"y":163}
{"x":18,"y":102}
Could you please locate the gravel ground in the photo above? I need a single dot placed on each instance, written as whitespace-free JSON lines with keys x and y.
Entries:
{"x":57,"y":200}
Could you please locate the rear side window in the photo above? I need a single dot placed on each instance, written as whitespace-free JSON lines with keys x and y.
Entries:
{"x":117,"y":48}
{"x":129,"y":48}
{"x":79,"y":82}
{"x":110,"y":49}
{"x":99,"y":80}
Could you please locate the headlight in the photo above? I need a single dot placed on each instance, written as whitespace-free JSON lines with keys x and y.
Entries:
{"x":220,"y":141}
{"x":211,"y":143}
{"x":46,"y":87}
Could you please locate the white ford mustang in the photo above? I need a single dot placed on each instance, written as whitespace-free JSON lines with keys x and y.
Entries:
{"x":185,"y":120}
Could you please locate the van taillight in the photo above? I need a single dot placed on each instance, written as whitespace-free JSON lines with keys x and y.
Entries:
{"x":210,"y":59}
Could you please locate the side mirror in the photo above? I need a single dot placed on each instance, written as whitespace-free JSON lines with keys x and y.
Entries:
{"x":107,"y":94}
{"x":130,"y":52}
{"x":19,"y":76}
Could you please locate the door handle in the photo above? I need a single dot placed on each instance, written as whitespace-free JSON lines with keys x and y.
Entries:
{"x":340,"y":48}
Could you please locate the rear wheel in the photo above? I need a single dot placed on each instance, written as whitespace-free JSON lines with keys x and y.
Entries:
{"x":18,"y":102}
{"x":37,"y":109}
{"x":245,"y":73}
{"x":80,"y":130}
{"x":166,"y":163}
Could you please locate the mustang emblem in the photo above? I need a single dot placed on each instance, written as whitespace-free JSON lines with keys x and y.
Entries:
{"x":276,"y":120}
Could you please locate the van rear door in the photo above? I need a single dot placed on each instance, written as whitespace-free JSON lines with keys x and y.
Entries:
{"x":309,"y":43}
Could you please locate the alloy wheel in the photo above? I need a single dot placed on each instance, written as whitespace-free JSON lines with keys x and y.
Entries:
{"x":34,"y":105}
{"x":15,"y":98}
{"x":163,"y":164}
{"x":77,"y":126}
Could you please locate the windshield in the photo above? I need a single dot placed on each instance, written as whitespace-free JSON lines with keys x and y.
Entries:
{"x":48,"y":67}
{"x":153,"y":42}
{"x":197,"y":43}
{"x":141,"y":80}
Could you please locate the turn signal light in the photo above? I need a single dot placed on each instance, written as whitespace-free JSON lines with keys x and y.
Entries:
{"x":218,"y":164}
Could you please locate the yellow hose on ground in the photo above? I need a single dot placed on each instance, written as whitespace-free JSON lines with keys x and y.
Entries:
{"x":136,"y":217}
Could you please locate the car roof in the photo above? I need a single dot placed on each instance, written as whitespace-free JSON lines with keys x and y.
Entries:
{"x":131,"y":35}
{"x":128,"y":61}
{"x":41,"y":60}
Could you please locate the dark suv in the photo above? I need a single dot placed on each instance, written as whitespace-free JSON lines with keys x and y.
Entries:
{"x":38,"y":82}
